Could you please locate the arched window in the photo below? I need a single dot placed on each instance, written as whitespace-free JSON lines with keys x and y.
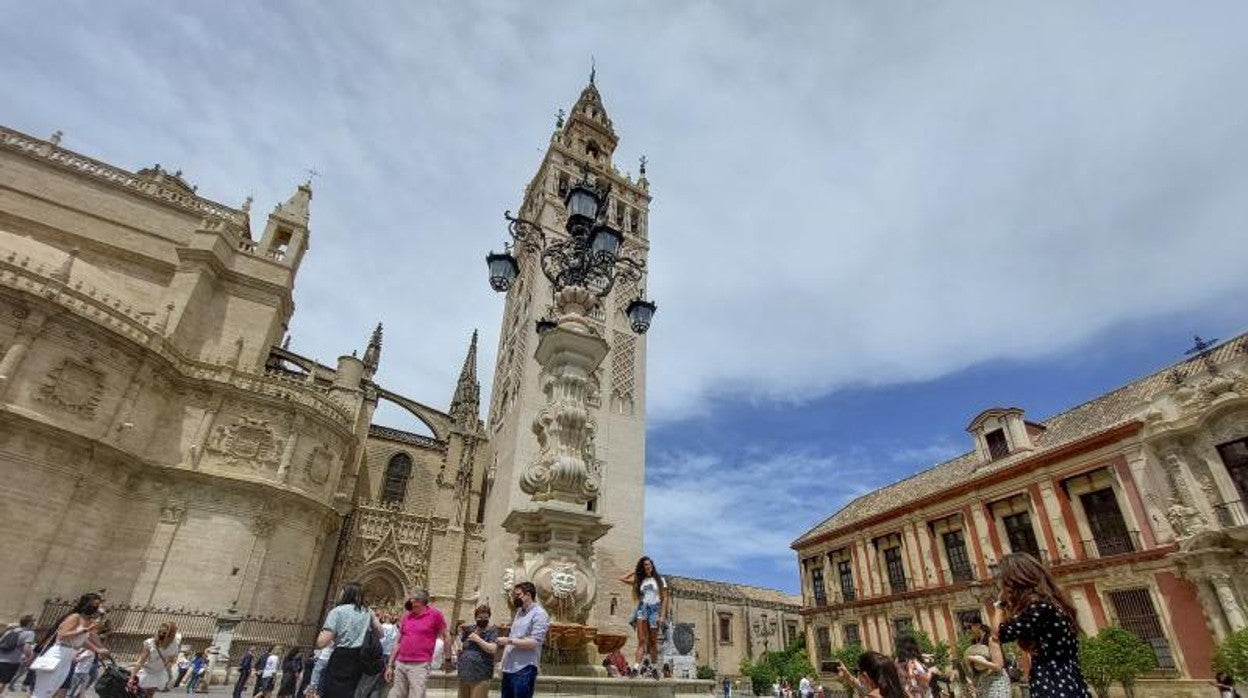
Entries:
{"x":398,"y":472}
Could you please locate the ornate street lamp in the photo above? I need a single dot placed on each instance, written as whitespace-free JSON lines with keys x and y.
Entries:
{"x":589,"y":258}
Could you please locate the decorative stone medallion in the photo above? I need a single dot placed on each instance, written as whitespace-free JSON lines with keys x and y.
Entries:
{"x":247,"y":440}
{"x":74,"y":386}
{"x":320,"y":462}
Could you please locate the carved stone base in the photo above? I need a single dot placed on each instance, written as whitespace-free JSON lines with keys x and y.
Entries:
{"x":555,"y":552}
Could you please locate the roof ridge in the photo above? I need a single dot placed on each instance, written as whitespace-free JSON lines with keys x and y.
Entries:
{"x":733,"y":584}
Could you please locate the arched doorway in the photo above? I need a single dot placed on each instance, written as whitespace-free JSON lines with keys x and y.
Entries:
{"x":382,"y":589}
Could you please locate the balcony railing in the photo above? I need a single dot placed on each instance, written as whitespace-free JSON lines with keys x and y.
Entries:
{"x":898,"y":585}
{"x":848,"y":594}
{"x":1108,"y":546}
{"x":821,"y":599}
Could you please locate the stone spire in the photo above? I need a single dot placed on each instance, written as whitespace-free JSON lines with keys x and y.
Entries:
{"x":372,"y":354}
{"x":589,"y":123}
{"x":296,"y":208}
{"x":466,"y":405}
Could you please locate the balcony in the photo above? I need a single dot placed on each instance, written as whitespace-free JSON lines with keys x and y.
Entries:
{"x":848,"y":595}
{"x":1108,"y":546}
{"x":821,"y":599}
{"x":898,"y":584}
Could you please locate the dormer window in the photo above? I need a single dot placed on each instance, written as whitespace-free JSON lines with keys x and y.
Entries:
{"x":1002,"y":431}
{"x":998,"y":446}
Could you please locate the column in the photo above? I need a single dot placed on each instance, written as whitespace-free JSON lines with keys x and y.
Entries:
{"x":1083,"y":609}
{"x":1066,"y":546}
{"x":1148,"y":487}
{"x":991,"y":554}
{"x":283,"y":469}
{"x":1226,"y":599}
{"x":172,"y":514}
{"x":1214,"y":617}
{"x":914,"y":560}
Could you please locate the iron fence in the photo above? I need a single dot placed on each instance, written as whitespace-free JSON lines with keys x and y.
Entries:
{"x":126,"y":626}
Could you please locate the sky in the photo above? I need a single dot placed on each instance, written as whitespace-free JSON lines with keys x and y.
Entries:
{"x":870,"y":220}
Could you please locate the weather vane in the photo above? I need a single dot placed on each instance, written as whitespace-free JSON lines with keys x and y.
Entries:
{"x":593,"y":68}
{"x":1203,"y":349}
{"x":312,"y":173}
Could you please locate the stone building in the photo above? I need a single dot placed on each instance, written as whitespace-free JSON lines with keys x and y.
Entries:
{"x":158,"y":441}
{"x":1134,"y":499}
{"x":731,"y":622}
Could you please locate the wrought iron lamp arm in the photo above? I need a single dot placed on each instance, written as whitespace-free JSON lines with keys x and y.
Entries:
{"x":527,"y":234}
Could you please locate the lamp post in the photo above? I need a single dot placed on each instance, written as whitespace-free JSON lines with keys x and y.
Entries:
{"x":765,"y":628}
{"x":557,"y":534}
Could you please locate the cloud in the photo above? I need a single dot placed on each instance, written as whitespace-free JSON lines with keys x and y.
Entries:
{"x":844,"y":194}
{"x":710,"y":514}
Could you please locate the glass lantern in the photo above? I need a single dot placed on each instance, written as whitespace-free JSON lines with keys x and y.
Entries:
{"x":503,"y":270}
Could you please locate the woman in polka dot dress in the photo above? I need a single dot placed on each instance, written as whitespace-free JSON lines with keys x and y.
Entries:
{"x":1036,"y":614}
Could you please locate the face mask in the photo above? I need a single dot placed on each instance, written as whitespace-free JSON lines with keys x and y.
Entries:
{"x":518,"y":602}
{"x":483,"y":622}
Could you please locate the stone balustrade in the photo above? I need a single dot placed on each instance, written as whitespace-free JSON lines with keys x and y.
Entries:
{"x":36,"y":147}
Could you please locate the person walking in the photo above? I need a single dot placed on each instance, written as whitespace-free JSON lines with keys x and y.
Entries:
{"x":345,"y":629}
{"x":81,"y":678}
{"x":182,"y":664}
{"x":305,"y":674}
{"x":244,"y":672}
{"x":17,"y":648}
{"x":292,"y":665}
{"x":419,"y":631}
{"x":877,"y":675}
{"x":1033,"y":611}
{"x":151,"y":669}
{"x":914,"y":673}
{"x":985,"y":664}
{"x":476,"y":654}
{"x":71,"y":633}
{"x":268,"y":673}
{"x":522,"y":648}
{"x":198,"y":664}
{"x":650,"y":593}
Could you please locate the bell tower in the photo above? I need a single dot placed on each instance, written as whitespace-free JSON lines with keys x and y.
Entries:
{"x":582,"y":145}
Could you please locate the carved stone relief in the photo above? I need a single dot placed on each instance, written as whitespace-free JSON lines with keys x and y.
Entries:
{"x":247,"y":440}
{"x":319,"y":465}
{"x":74,"y":386}
{"x":1229,"y":427}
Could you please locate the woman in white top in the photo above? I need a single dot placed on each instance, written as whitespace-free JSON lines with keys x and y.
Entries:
{"x":75,"y":630}
{"x":159,"y":652}
{"x":650,"y":591}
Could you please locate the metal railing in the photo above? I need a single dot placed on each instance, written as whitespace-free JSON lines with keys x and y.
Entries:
{"x":898,"y":584}
{"x":1108,"y":546}
{"x":126,"y":626}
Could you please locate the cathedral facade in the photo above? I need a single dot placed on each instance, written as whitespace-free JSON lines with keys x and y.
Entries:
{"x":158,"y":441}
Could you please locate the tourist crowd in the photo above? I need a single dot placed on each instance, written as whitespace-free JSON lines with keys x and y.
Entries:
{"x":359,"y":653}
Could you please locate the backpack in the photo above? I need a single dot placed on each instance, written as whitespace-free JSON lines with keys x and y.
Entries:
{"x":11,"y":639}
{"x":372,"y":660}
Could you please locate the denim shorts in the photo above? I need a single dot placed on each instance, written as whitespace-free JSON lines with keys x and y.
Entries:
{"x":648,"y":613}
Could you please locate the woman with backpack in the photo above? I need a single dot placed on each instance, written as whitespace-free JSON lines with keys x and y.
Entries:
{"x":347,"y":626}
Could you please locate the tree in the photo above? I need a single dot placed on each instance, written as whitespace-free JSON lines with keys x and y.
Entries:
{"x":706,"y":672}
{"x":790,"y":664}
{"x":1115,"y":655}
{"x":1232,"y":655}
{"x":848,"y":656}
{"x":939,"y":650}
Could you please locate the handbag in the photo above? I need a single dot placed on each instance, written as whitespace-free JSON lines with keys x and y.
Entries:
{"x":46,"y":661}
{"x":114,"y":682}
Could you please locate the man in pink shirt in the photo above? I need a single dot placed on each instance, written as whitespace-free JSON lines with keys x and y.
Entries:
{"x":419,"y":630}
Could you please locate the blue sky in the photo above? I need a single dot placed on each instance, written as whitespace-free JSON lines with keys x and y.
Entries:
{"x":871,"y":220}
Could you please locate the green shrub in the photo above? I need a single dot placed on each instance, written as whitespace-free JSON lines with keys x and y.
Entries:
{"x":706,"y":672}
{"x":1115,"y":655}
{"x":1232,"y":655}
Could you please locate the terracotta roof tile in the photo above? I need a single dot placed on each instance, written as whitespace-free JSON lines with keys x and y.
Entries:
{"x":737,"y":592}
